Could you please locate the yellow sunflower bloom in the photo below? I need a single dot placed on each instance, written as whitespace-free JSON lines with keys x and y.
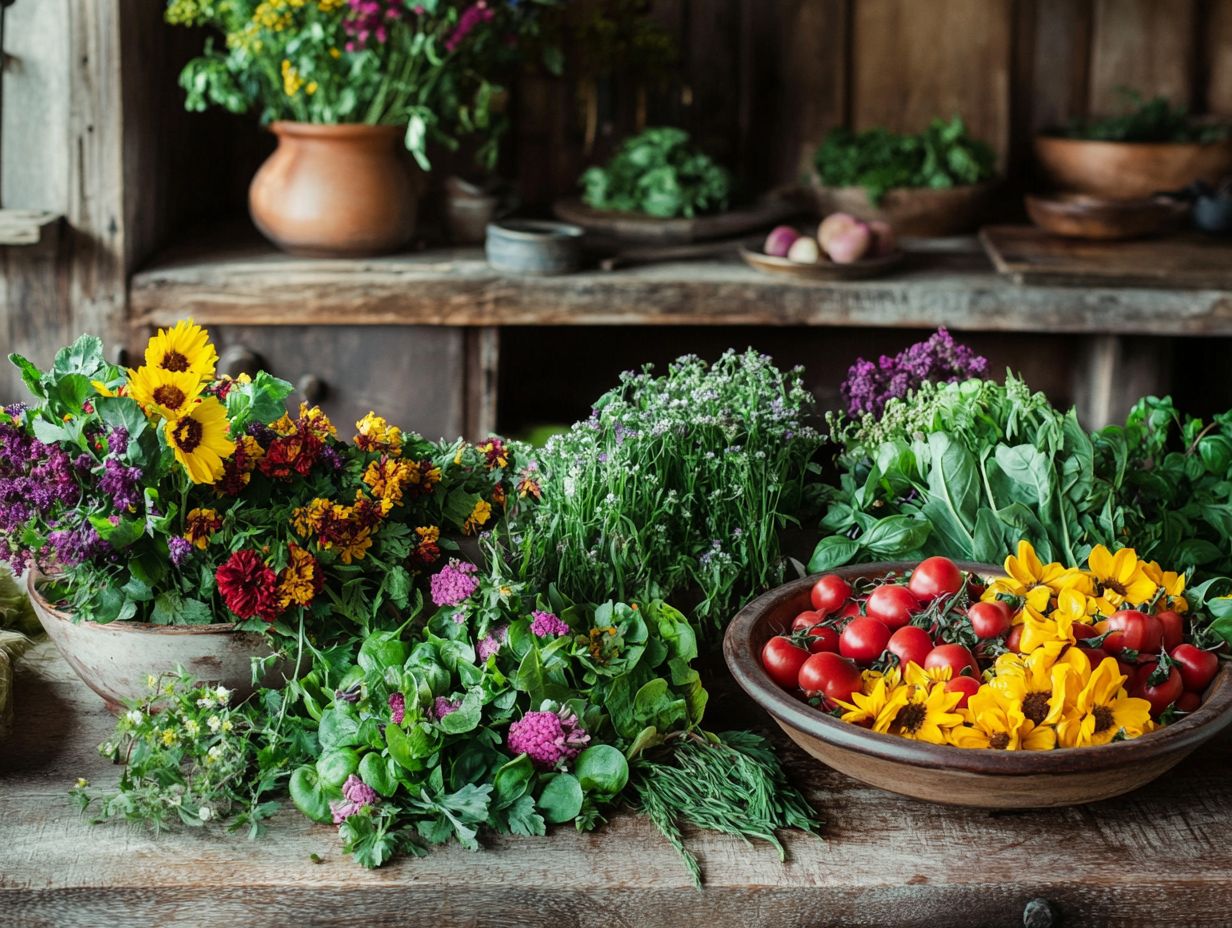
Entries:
{"x":1027,"y":569}
{"x":1102,"y":709}
{"x":996,"y":720}
{"x":169,"y":394}
{"x":199,"y":440}
{"x":928,"y":714}
{"x":1051,"y":633}
{"x":878,"y":707}
{"x":1118,"y":580}
{"x":1037,"y":597}
{"x":918,"y":676}
{"x":184,"y":348}
{"x":1173,"y":585}
{"x":1040,"y":683}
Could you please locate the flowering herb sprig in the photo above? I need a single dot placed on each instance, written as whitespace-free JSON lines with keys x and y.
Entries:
{"x":679,"y":484}
{"x":938,"y":359}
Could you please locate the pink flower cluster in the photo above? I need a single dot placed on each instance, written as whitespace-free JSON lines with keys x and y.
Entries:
{"x":370,"y":19}
{"x":443,"y":706}
{"x":549,"y":739}
{"x":547,"y":625}
{"x":491,"y":643}
{"x":473,"y":16}
{"x":454,"y":583}
{"x":397,"y":708}
{"x":356,"y":795}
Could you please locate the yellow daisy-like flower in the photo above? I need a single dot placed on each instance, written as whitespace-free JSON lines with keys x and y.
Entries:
{"x":1118,"y":580}
{"x":200,"y":526}
{"x":300,"y":580}
{"x":184,"y":348}
{"x":170,"y":394}
{"x":479,"y":516}
{"x":1173,"y":585}
{"x":928,"y":714}
{"x":1075,"y":605}
{"x":200,"y":442}
{"x":1040,"y":684}
{"x":373,"y":433}
{"x":1102,"y":709}
{"x":387,"y":477}
{"x":1051,"y":633}
{"x":307,"y":520}
{"x":918,"y":676}
{"x":878,"y":707}
{"x":996,"y":720}
{"x":1027,"y":569}
{"x":1037,"y":597}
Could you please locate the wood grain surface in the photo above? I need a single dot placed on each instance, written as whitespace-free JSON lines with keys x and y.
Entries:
{"x":884,"y":861}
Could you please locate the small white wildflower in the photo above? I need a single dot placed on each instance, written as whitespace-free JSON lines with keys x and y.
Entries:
{"x":134,"y":716}
{"x":206,"y":701}
{"x":192,"y":726}
{"x":205,"y":813}
{"x":214,"y":722}
{"x":222,"y":694}
{"x":226,"y":725}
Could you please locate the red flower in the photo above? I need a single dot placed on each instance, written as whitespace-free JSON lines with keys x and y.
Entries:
{"x":292,"y":454}
{"x":248,"y":586}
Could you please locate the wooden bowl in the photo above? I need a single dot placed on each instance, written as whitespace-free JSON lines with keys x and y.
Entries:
{"x":824,"y":269}
{"x":1129,"y":170}
{"x":949,"y":775}
{"x":913,"y":211}
{"x":642,"y":229}
{"x":1080,"y":215}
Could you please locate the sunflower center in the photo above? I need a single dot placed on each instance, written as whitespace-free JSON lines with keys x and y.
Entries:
{"x":174,"y":361}
{"x":1035,"y":707}
{"x":911,"y":717}
{"x":1103,"y":718}
{"x":187,"y":434}
{"x":999,"y":741}
{"x":169,"y":395}
{"x":1112,"y":586}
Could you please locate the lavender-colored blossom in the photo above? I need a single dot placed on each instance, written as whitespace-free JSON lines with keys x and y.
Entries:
{"x":356,"y":795}
{"x":549,"y":739}
{"x":443,"y":706}
{"x":261,"y":432}
{"x":368,"y":20}
{"x":397,"y":708}
{"x":179,"y":549}
{"x":547,"y":625}
{"x":332,"y":457}
{"x":76,"y":546}
{"x":491,"y":643}
{"x":117,"y":440}
{"x":454,"y":583}
{"x":122,"y":484}
{"x":939,"y":359}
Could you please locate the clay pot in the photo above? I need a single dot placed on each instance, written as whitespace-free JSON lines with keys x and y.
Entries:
{"x":115,"y":659}
{"x":335,"y":191}
{"x":1129,"y":170}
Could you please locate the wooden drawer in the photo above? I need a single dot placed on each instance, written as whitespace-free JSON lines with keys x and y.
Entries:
{"x":415,"y":376}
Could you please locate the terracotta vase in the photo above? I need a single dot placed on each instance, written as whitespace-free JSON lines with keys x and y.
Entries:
{"x":335,"y":191}
{"x":114,"y":659}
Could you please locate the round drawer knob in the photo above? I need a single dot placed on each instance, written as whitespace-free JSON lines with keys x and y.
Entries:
{"x":237,"y":360}
{"x":312,"y":388}
{"x":1040,"y":913}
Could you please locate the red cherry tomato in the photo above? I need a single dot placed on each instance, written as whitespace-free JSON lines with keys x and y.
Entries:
{"x":910,"y":644}
{"x":989,"y":620}
{"x":1139,"y":632}
{"x":1173,"y":624}
{"x":783,"y":661}
{"x":829,"y":594}
{"x":829,"y":675}
{"x":968,"y":686}
{"x":1197,"y":667}
{"x":1128,"y":671}
{"x":864,"y":639}
{"x":935,"y":577}
{"x":822,"y":638}
{"x":892,"y":605}
{"x":1083,"y":630}
{"x":849,"y":611}
{"x":1188,"y":702}
{"x":1160,"y":695}
{"x":954,"y":656}
{"x":1095,"y":655}
{"x":1014,"y":638}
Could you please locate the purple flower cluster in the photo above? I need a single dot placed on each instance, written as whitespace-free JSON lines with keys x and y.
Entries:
{"x":547,"y":625}
{"x":356,"y":795}
{"x":491,"y":643}
{"x":472,"y":17}
{"x":454,"y":583}
{"x":34,"y":480}
{"x":549,"y":739}
{"x":122,"y":484}
{"x":397,"y":708}
{"x":179,"y":549}
{"x":939,"y":359}
{"x":369,"y":20}
{"x":443,"y":706}
{"x":73,"y":546}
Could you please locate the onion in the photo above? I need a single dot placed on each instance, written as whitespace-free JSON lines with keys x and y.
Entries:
{"x":780,"y":240}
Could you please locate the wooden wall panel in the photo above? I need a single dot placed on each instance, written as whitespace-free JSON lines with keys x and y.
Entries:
{"x":912,"y":61}
{"x":1217,"y":58}
{"x":1146,"y":45}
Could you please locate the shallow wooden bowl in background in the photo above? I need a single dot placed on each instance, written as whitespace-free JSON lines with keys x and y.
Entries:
{"x":823,"y":269}
{"x":1129,"y":170}
{"x":1080,"y":215}
{"x":914,"y":212}
{"x":949,"y":775}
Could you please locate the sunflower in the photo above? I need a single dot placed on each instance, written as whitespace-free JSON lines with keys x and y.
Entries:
{"x":1102,"y":710}
{"x":170,"y":394}
{"x":1051,"y":633}
{"x":1119,"y":579}
{"x":927,"y":714}
{"x":878,"y":706}
{"x":184,"y":348}
{"x":996,"y":720}
{"x":199,"y":440}
{"x":1027,"y":569}
{"x":1040,"y":683}
{"x":1173,"y":585}
{"x":1037,"y":597}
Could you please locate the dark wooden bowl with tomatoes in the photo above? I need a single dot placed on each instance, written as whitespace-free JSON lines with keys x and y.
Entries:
{"x":943,"y":773}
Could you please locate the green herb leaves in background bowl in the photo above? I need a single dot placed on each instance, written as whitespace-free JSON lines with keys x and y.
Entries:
{"x":1154,"y":120}
{"x":942,"y":156}
{"x":659,"y":173}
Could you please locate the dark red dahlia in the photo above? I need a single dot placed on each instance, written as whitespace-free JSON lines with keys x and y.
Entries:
{"x":248,"y":586}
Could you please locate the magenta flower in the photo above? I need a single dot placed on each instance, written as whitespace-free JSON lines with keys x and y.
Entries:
{"x":397,"y":708}
{"x":454,"y":583}
{"x":547,"y":625}
{"x":356,"y":795}
{"x":492,"y":642}
{"x":443,"y":706}
{"x":940,"y":359}
{"x":179,"y":549}
{"x":549,"y":739}
{"x":472,"y":17}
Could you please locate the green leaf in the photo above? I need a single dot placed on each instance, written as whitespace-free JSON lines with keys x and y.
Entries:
{"x":309,"y":795}
{"x":121,"y":412}
{"x":84,"y":356}
{"x":170,"y":608}
{"x":512,"y":781}
{"x":30,"y":375}
{"x":466,"y":717}
{"x":523,"y":819}
{"x":339,"y":727}
{"x":379,"y":772}
{"x":118,"y":534}
{"x":381,"y":650}
{"x":601,"y":768}
{"x":832,"y":551}
{"x":411,"y":747}
{"x":334,"y":766}
{"x":895,"y":536}
{"x":561,"y":798}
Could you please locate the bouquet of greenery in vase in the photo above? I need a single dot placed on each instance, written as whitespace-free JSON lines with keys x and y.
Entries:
{"x":433,"y":66}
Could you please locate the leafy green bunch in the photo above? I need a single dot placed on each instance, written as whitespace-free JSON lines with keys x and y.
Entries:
{"x":1154,"y":120}
{"x":677,"y":485}
{"x":943,"y":155}
{"x":660,"y":173}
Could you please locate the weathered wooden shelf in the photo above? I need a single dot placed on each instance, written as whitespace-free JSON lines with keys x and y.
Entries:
{"x":22,"y":227}
{"x":885,"y":861}
{"x":248,"y":282}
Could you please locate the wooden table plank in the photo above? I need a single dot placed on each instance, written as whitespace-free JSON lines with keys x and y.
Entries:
{"x":1158,"y":857}
{"x":247,"y":282}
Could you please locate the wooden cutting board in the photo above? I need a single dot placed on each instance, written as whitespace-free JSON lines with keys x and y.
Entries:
{"x":1188,"y":260}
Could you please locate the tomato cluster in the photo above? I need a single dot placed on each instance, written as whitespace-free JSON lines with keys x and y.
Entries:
{"x":934,"y":618}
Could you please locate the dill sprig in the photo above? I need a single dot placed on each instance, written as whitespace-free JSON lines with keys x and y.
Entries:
{"x":729,"y":782}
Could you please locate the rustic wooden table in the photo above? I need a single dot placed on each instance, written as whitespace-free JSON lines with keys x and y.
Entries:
{"x":1159,"y":857}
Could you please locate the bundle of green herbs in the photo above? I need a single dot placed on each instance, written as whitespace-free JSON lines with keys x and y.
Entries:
{"x":658,"y":172}
{"x":943,"y":155}
{"x":1154,"y":120}
{"x":678,"y":485}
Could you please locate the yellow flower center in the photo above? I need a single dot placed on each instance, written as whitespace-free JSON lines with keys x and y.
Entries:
{"x":174,"y":361}
{"x":1035,"y":707}
{"x":187,"y":434}
{"x":169,"y":395}
{"x":1103,"y":718}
